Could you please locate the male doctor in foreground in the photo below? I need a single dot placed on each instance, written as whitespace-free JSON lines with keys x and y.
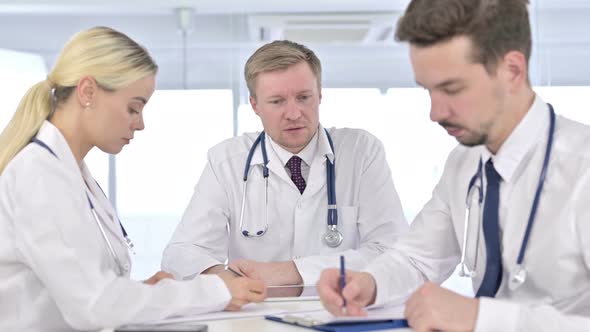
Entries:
{"x":533,"y":167}
{"x":279,"y":227}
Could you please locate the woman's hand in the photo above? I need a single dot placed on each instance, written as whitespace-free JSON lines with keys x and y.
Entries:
{"x":157,"y":277}
{"x":243,"y":290}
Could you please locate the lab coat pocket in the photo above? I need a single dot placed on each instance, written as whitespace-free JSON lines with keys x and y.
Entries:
{"x":348,"y":226}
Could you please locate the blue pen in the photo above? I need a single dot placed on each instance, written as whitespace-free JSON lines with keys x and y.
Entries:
{"x":342,"y":279}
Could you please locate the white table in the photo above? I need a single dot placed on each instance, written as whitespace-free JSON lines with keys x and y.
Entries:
{"x":259,"y":324}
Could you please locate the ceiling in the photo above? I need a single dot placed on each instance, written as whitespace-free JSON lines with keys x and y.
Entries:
{"x":354,"y":39}
{"x":142,"y":7}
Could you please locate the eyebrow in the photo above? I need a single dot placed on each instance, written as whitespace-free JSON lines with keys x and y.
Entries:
{"x":141,"y":99}
{"x":444,"y":84}
{"x":298,"y":92}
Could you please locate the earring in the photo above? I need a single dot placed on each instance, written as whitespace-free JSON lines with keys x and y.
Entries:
{"x":87,"y":106}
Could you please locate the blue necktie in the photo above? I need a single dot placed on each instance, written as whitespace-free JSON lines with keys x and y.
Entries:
{"x":491,"y":232}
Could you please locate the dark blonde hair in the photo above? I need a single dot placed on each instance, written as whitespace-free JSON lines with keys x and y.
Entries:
{"x":113,"y":59}
{"x":494,"y":27}
{"x":279,"y":55}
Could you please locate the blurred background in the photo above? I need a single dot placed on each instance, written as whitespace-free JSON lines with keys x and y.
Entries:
{"x":201,"y":47}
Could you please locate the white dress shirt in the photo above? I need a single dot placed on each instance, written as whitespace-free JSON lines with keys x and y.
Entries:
{"x":369,"y":210}
{"x":307,"y":155}
{"x":56,"y":271}
{"x":556,"y":293}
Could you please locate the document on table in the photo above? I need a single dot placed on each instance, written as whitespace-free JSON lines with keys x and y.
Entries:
{"x":322,"y":317}
{"x":249,"y":310}
{"x":291,"y":293}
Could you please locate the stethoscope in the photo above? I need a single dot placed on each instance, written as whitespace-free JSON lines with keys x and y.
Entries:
{"x":332,"y":237}
{"x":518,"y":274}
{"x":98,"y":220}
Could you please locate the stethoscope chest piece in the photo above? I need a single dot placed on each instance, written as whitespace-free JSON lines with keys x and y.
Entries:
{"x":517,"y":278}
{"x":333,"y":237}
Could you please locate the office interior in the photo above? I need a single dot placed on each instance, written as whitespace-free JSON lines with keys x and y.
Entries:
{"x":201,"y":99}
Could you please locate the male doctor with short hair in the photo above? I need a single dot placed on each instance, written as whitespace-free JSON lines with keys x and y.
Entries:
{"x":526,"y":241}
{"x":278,"y":233}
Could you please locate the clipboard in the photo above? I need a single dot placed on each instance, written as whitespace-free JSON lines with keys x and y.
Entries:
{"x":321,"y":321}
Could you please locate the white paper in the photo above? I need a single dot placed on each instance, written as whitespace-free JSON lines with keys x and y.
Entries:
{"x":318,"y":317}
{"x":292,"y":299}
{"x":249,"y":310}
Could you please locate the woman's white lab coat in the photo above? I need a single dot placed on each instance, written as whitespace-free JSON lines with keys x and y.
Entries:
{"x":56,"y":272}
{"x":370,"y":215}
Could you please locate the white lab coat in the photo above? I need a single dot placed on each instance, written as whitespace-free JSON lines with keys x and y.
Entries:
{"x":556,"y":294}
{"x":56,"y":273}
{"x":369,"y":210}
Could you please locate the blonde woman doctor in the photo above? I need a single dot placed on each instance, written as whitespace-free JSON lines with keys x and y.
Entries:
{"x":64,"y":258}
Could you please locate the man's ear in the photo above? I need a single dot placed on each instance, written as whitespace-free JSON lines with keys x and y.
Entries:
{"x":513,"y":69}
{"x":86,"y":91}
{"x":254,"y":105}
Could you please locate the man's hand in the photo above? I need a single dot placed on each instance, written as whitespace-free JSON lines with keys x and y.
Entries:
{"x":243,"y":290}
{"x":272,"y":273}
{"x":157,"y":277}
{"x":359,"y":292}
{"x":433,"y":308}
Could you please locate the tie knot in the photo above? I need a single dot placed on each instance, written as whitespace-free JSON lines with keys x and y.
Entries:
{"x":294,"y":164}
{"x":491,"y":175}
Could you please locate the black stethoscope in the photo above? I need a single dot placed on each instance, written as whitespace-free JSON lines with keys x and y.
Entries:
{"x":98,"y":219}
{"x":332,"y":238}
{"x":518,"y":274}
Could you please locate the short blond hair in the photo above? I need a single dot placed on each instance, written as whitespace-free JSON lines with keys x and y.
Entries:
{"x":279,"y":55}
{"x":112,"y":58}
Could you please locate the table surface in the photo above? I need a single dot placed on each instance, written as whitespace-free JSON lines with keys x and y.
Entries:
{"x":260,"y":324}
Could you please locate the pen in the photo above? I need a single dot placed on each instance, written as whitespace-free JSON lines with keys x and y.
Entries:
{"x":233,"y":271}
{"x":239,"y":275}
{"x":342,"y":280}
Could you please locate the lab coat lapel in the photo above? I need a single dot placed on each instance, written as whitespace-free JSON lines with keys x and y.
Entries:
{"x":317,"y":174}
{"x":276,"y":167}
{"x":523,"y":195}
{"x":109,"y":219}
{"x":274,"y":163}
{"x":102,"y":205}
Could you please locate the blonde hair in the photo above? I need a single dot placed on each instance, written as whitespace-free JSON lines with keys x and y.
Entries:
{"x":113,"y":59}
{"x":279,"y":55}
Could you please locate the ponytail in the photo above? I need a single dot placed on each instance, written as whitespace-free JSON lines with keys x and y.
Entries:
{"x":111,"y":57}
{"x":34,"y":108}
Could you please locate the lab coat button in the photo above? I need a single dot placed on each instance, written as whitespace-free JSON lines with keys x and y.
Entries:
{"x":126,"y":267}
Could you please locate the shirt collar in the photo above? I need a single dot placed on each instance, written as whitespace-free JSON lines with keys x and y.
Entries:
{"x":523,"y":138}
{"x":307,"y":154}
